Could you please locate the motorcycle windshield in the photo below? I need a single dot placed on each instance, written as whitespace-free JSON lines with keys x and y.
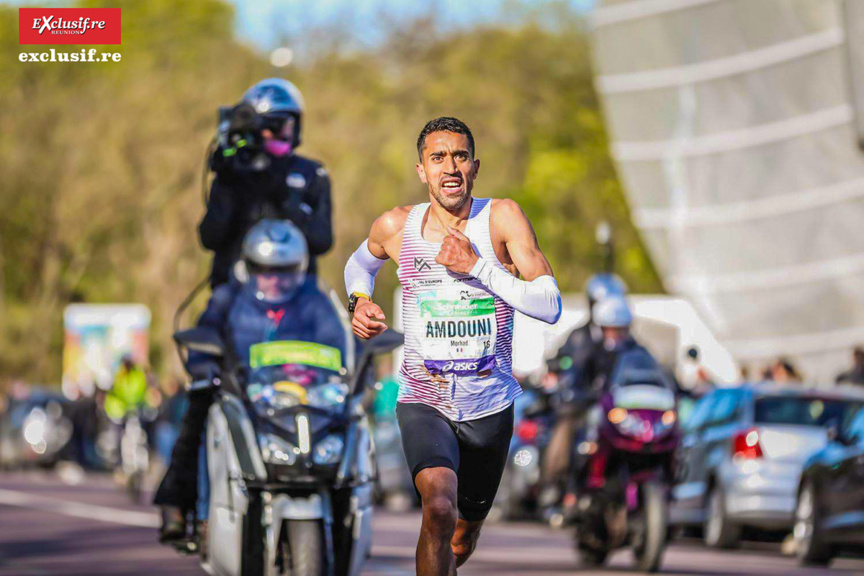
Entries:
{"x":289,"y":374}
{"x":639,"y":382}
{"x":643,"y":397}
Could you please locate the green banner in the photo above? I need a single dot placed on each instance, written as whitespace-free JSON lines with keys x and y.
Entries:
{"x":457,"y":308}
{"x":295,"y":352}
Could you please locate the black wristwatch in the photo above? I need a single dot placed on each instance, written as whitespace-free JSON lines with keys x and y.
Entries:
{"x":352,"y":300}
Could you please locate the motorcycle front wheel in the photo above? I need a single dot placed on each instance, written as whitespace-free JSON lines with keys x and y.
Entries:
{"x":649,"y":553}
{"x":306,"y":545}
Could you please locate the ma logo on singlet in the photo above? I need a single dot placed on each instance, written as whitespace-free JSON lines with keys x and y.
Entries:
{"x":420,"y":264}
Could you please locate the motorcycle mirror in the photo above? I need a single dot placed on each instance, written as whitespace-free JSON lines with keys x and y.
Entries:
{"x":202,"y":340}
{"x":388,"y":341}
{"x":381,"y":344}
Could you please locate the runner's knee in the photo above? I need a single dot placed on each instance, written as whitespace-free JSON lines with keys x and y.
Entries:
{"x":441,"y":512}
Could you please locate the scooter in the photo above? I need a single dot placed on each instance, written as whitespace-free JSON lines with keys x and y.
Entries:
{"x":626,"y":481}
{"x":289,"y":457}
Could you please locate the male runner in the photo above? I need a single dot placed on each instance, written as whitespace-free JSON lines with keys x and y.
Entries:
{"x":459,"y":260}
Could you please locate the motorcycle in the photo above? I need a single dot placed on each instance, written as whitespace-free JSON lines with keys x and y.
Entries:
{"x":627,"y":478}
{"x":134,"y":454}
{"x":289,"y":458}
{"x":518,"y":493}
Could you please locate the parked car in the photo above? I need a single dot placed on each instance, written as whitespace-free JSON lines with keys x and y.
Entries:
{"x":742,"y":455}
{"x":829,"y":515}
{"x":35,"y":430}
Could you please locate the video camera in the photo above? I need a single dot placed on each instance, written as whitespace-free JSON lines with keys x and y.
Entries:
{"x":240,"y":139}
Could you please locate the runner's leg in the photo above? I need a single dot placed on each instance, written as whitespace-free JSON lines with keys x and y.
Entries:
{"x":432,"y":452}
{"x":465,"y":539}
{"x":484,"y":445}
{"x":437,"y":487}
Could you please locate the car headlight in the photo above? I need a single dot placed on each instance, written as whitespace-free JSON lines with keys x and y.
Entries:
{"x":275,"y":450}
{"x":34,"y":427}
{"x":329,"y":450}
{"x":327,"y":395}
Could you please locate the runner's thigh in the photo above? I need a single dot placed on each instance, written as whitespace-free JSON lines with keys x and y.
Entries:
{"x":483,"y":448}
{"x":428,"y":438}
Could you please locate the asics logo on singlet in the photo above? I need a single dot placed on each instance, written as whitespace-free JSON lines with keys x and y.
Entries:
{"x":452,"y":366}
{"x":420,"y":264}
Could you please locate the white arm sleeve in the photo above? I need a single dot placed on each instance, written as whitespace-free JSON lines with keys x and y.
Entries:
{"x":360,"y":270}
{"x":538,"y":299}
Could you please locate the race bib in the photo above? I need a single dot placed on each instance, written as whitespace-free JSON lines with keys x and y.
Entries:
{"x":458,"y":330}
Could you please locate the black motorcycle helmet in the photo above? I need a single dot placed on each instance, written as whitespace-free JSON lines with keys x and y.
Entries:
{"x":277,"y":99}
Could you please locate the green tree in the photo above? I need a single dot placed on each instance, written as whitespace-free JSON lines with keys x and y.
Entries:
{"x":101,"y":188}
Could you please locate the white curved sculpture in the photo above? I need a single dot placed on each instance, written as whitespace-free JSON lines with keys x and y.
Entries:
{"x":734,"y":130}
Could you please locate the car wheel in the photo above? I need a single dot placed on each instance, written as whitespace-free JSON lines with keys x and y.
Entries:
{"x":810,"y":546}
{"x":719,"y":531}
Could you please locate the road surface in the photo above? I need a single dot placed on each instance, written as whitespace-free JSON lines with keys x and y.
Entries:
{"x":48,"y":526}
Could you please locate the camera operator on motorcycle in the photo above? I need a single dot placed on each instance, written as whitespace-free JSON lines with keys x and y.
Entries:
{"x":613,"y":317}
{"x":269,"y":299}
{"x":259,"y":175}
{"x":624,"y":464}
{"x":568,"y":369}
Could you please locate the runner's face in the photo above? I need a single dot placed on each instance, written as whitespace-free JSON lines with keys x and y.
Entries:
{"x":448,"y":169}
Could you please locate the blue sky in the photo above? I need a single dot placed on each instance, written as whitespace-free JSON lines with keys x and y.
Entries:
{"x":260,"y":21}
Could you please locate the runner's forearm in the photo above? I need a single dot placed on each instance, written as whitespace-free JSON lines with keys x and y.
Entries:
{"x":538,"y":299}
{"x":361,"y":269}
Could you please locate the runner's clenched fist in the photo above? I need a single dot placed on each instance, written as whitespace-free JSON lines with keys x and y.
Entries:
{"x":367,"y":321}
{"x":456,"y":253}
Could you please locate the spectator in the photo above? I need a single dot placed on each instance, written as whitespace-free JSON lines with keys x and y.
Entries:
{"x":854,"y":375}
{"x":783,"y":372}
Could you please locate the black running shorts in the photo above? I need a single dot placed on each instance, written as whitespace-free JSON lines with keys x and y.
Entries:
{"x":476,"y":450}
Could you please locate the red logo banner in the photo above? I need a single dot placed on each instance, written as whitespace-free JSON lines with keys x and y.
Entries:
{"x":69,"y":26}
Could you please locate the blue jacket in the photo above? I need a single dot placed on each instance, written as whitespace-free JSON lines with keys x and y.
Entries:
{"x":243,"y":320}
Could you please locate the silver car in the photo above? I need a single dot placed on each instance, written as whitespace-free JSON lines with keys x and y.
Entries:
{"x":742,"y":454}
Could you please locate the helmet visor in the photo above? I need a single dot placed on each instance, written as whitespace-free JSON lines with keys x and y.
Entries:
{"x":275,"y":285}
{"x":280,"y":125}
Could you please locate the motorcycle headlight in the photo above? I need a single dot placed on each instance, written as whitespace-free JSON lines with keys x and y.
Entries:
{"x":327,"y":395}
{"x":329,"y":450}
{"x":666,"y":421}
{"x":632,"y":425}
{"x":275,"y":450}
{"x":525,"y":456}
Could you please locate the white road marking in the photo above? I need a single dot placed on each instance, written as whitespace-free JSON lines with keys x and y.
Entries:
{"x":79,"y":510}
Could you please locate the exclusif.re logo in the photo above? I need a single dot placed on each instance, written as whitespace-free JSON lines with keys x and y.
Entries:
{"x":56,"y":26}
{"x":69,"y":26}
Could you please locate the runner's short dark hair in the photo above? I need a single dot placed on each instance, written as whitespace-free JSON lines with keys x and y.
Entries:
{"x":444,"y":124}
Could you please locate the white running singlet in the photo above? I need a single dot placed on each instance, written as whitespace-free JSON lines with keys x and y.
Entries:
{"x":458,"y":334}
